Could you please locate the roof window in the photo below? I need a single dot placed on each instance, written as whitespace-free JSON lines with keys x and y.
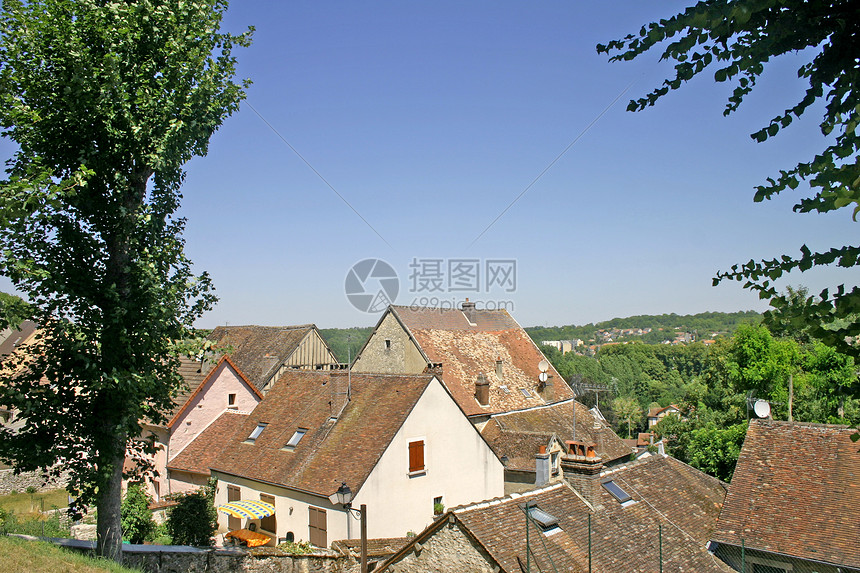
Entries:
{"x":525,"y":392}
{"x":297,"y":437}
{"x":622,"y":496}
{"x":548,"y":523}
{"x":257,"y":431}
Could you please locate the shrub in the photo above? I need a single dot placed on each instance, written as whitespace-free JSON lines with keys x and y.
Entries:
{"x":194,"y":520}
{"x":297,"y":547}
{"x":137,"y":523}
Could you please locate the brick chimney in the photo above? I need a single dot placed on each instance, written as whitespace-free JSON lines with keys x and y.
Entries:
{"x":468,"y":309}
{"x":542,"y":467}
{"x":482,"y":390}
{"x":581,"y":467}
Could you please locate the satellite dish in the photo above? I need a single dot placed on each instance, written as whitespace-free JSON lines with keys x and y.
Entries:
{"x":761,"y":408}
{"x":543,"y":365}
{"x":543,"y":377}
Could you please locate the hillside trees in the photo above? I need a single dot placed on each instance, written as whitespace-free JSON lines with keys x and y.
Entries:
{"x":106,"y":102}
{"x":738,"y":39}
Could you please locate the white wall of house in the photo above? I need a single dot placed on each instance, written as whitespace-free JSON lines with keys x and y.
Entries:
{"x":460,"y":468}
{"x":210,"y":403}
{"x":292,"y":510}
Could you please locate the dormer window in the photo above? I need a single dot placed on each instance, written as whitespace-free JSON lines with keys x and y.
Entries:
{"x":256,"y":433}
{"x":297,"y":437}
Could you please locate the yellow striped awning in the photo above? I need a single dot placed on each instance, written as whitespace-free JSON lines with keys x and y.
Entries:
{"x":249,"y":509}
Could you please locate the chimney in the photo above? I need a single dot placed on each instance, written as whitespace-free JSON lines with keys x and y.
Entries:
{"x":469,"y":310}
{"x":482,"y":390}
{"x":542,"y":467}
{"x":500,"y":368}
{"x":581,"y":467}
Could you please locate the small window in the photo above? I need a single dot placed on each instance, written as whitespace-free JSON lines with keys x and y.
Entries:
{"x":616,"y":491}
{"x":526,"y":393}
{"x":297,"y":437}
{"x":416,"y":457}
{"x":231,"y":400}
{"x":504,"y":388}
{"x":388,"y":344}
{"x":256,"y":433}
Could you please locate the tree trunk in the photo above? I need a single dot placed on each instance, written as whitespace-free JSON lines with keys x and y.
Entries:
{"x":109,"y":526}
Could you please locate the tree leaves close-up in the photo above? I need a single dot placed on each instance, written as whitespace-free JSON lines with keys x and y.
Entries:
{"x":737,"y":40}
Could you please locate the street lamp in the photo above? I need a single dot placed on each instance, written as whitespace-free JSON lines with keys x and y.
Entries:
{"x":343,"y":496}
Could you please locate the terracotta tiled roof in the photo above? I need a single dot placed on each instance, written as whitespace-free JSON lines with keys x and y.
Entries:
{"x":796,"y":491}
{"x":259,"y":351}
{"x":519,"y":447}
{"x":558,"y":419}
{"x":445,"y":336}
{"x":654,"y":412}
{"x":623,"y":538}
{"x":199,"y":455}
{"x":330,"y":452}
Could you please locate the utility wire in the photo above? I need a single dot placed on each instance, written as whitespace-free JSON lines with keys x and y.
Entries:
{"x":553,"y":162}
{"x":318,"y":174}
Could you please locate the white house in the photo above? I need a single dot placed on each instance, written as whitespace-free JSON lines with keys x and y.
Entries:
{"x":400,"y":442}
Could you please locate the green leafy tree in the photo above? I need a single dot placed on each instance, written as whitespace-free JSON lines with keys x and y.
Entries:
{"x":137,"y":523}
{"x":627,"y":409}
{"x":106,"y":102}
{"x":715,"y":450}
{"x":835,"y":376}
{"x":737,"y":39}
{"x":194,"y":520}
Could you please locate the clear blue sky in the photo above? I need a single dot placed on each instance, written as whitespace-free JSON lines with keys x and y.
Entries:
{"x":431,"y":118}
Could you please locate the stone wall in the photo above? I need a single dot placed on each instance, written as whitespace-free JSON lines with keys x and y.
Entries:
{"x":449,"y":548}
{"x":11,"y":482}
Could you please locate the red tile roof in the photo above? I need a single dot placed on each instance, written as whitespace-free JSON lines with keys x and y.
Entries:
{"x":445,"y":336}
{"x":330,"y":452}
{"x":199,"y":455}
{"x":555,"y":419}
{"x":796,"y":491}
{"x":625,"y":538}
{"x":259,"y":351}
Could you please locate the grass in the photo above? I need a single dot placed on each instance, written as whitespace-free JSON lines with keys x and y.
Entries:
{"x":22,"y":555}
{"x":26,"y":503}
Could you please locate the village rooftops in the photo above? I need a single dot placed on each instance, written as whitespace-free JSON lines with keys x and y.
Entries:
{"x":796,"y":492}
{"x":665,"y":500}
{"x":305,"y":436}
{"x":468,"y":343}
{"x":514,"y":434}
{"x":261,"y":351}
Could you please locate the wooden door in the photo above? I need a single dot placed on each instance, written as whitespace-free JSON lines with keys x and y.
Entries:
{"x":233,"y":494}
{"x":317,"y":526}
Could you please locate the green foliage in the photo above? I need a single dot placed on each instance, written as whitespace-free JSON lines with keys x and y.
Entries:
{"x":715,"y":450}
{"x":137,"y":523}
{"x":194,"y":520}
{"x":24,"y":555}
{"x":33,"y":523}
{"x":438,"y":508}
{"x":737,"y":39}
{"x":346,"y":342}
{"x":627,"y":409}
{"x":13,"y":310}
{"x":703,"y":323}
{"x":297,"y":547}
{"x":106,"y":103}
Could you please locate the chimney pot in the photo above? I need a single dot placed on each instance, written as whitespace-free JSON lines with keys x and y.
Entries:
{"x":542,"y":450}
{"x":499,"y":367}
{"x":482,"y":390}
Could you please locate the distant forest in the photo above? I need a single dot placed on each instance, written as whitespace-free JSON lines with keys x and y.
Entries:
{"x":346,"y":342}
{"x":705,"y":324}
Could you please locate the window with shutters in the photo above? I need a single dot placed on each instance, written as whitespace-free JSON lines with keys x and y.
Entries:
{"x":416,"y":457}
{"x":268,"y":523}
{"x":317,"y":527}
{"x":233,"y":494}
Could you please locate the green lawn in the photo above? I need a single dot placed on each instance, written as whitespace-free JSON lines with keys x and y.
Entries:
{"x":21,"y":555}
{"x":26,"y":503}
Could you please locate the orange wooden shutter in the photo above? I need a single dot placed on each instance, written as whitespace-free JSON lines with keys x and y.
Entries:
{"x":416,"y":456}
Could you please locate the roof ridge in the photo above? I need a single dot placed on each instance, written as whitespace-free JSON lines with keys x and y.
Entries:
{"x":504,"y":499}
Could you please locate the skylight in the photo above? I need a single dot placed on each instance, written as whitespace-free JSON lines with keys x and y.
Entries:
{"x":547,"y":522}
{"x":504,"y":388}
{"x":525,"y":393}
{"x":257,"y":431}
{"x":616,"y":491}
{"x":297,"y":437}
